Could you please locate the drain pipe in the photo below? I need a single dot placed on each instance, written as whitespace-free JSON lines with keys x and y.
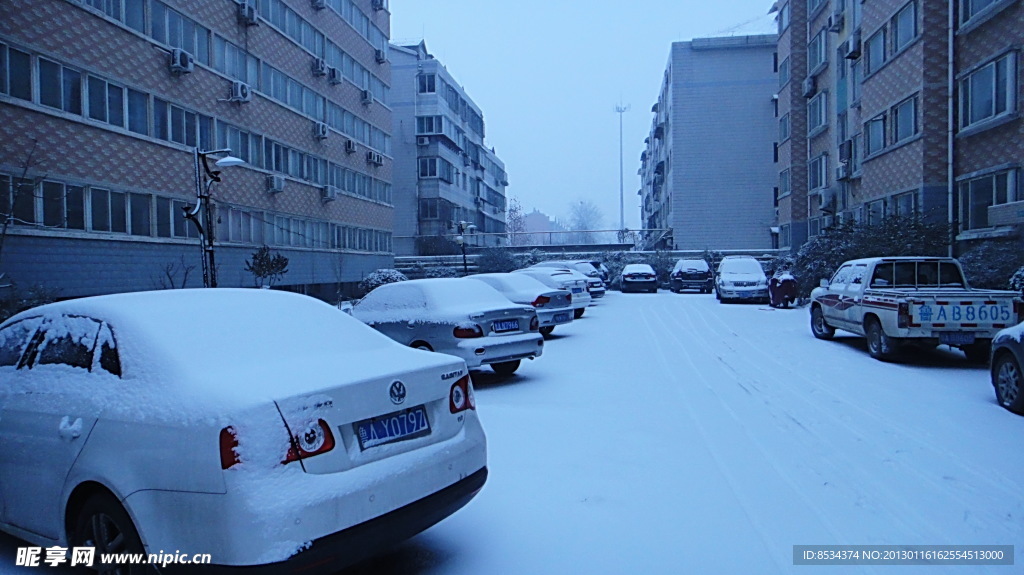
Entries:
{"x":950,"y":79}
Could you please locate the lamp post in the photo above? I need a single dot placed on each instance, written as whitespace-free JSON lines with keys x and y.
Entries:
{"x":460,"y":239}
{"x":205,"y":178}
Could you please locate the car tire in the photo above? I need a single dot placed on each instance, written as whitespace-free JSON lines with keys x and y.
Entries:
{"x":1008,"y":382}
{"x":578,"y":313}
{"x":506,"y":367}
{"x":819,"y":327}
{"x":880,"y":346}
{"x":977,"y":352}
{"x":421,"y":345}
{"x":546,"y":330}
{"x":718,"y":295}
{"x":103,"y":523}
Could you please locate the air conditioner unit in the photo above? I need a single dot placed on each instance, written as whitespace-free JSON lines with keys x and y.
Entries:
{"x":247,"y":13}
{"x":320,"y":130}
{"x":350,"y":146}
{"x":835,"y":22}
{"x":422,"y":141}
{"x":853,"y":46}
{"x":827,"y":200}
{"x":240,"y":92}
{"x":328,"y":193}
{"x":319,"y":4}
{"x":843,"y":171}
{"x":846,"y":151}
{"x":810,"y":87}
{"x":381,"y":56}
{"x":375,"y":158}
{"x":181,"y":62}
{"x":319,"y":67}
{"x":333,"y":75}
{"x":275,"y":184}
{"x":367,"y":98}
{"x":378,"y":5}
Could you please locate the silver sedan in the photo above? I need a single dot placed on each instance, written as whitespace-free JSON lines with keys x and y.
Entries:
{"x":554,"y":306}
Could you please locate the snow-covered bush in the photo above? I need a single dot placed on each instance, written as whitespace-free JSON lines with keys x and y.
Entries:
{"x":379,"y":278}
{"x":443,"y":272}
{"x":1017,"y":281}
{"x":992,"y":264}
{"x":14,"y":299}
{"x":496,"y":260}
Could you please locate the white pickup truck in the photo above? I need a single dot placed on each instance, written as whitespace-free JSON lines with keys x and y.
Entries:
{"x":912,"y":300}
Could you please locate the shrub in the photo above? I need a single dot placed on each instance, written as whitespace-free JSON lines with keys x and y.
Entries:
{"x":993,"y":264}
{"x":443,"y":272}
{"x":15,"y":300}
{"x":380,"y":277}
{"x":1017,"y":281}
{"x":496,"y":260}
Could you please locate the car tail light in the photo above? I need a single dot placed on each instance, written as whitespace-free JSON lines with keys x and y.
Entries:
{"x":568,"y":298}
{"x":228,"y":443}
{"x":903,"y":315}
{"x":534,"y":323}
{"x":315,"y":439}
{"x":541,"y":300}
{"x":1018,"y":308}
{"x":467,"y":332}
{"x":461,"y":398}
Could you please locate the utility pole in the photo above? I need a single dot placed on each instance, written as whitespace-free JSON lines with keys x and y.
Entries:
{"x":620,"y":109}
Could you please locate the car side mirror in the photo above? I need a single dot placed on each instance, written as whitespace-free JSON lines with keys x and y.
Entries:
{"x":823,"y":283}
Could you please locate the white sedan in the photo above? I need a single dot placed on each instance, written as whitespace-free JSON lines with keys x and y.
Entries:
{"x":259,"y":427}
{"x":554,"y":306}
{"x":571,"y":281}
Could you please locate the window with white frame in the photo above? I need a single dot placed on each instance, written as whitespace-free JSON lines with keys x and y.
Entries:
{"x":783,"y":17}
{"x":15,"y":73}
{"x":784,"y":127}
{"x":59,"y":87}
{"x":429,"y":124}
{"x":63,"y":205}
{"x":904,"y":120}
{"x":875,"y":135}
{"x":904,"y":26}
{"x":876,"y":55}
{"x":978,"y":194}
{"x":784,"y":72}
{"x":817,"y":173}
{"x":426,"y":83}
{"x":816,"y":54}
{"x":971,"y":8}
{"x":812,"y":5}
{"x":785,"y":183}
{"x":874,"y":212}
{"x":905,"y":205}
{"x":816,"y":111}
{"x":988,"y":92}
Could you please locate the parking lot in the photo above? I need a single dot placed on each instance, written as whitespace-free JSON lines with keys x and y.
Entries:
{"x":669,"y":433}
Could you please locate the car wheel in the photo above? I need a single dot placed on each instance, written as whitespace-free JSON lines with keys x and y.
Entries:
{"x":546,"y":330}
{"x":819,"y":327}
{"x":880,"y":346}
{"x":102,"y":523}
{"x":718,"y":295}
{"x":1008,"y":380}
{"x":977,"y":352}
{"x":505,"y":367}
{"x":578,"y":313}
{"x":421,"y":345}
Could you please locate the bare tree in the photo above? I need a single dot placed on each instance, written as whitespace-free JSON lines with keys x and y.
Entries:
{"x":584,"y":216}
{"x":169,"y":280}
{"x":515,"y":223}
{"x":18,"y":186}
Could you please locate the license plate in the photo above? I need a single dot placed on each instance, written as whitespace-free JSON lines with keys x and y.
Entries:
{"x":745,"y":294}
{"x":957,"y":313}
{"x":561,"y":317}
{"x":405,"y":424}
{"x":577,"y":290}
{"x":506,"y":325}
{"x":956,"y":337}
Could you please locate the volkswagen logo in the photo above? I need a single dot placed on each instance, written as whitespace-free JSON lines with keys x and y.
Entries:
{"x":397,"y":392}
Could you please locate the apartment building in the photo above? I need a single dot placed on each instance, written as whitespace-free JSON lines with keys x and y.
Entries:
{"x":709,"y":167}
{"x":103,"y":105}
{"x":448,"y":183}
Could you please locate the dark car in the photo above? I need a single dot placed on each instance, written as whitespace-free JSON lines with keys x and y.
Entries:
{"x":692,"y":274}
{"x":1007,"y":378}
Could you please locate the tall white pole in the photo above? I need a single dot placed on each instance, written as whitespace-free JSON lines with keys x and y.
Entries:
{"x":620,"y":109}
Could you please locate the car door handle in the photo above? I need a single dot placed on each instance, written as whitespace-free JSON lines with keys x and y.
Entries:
{"x":68,"y":430}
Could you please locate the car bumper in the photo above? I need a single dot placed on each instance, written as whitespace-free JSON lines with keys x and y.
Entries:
{"x":743,"y":293}
{"x":691,"y":284}
{"x":596,"y":293}
{"x":581,"y":300}
{"x":628,"y":285}
{"x":286,"y":517}
{"x":547,"y":317}
{"x":487,"y":350}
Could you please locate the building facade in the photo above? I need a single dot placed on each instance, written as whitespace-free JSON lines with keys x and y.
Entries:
{"x":709,"y":167}
{"x":444,"y":174}
{"x":103,"y":105}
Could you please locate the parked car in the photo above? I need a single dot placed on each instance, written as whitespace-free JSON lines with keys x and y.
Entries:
{"x":554,"y":306}
{"x":1005,"y":367}
{"x":595,"y":284}
{"x":602,"y":269}
{"x":457,"y":316}
{"x":561,"y":279}
{"x":923,"y":301}
{"x":250,"y":425}
{"x":740,"y":278}
{"x":637,"y":277}
{"x":692,"y":274}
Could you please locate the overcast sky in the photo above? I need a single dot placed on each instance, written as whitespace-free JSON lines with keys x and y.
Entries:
{"x":548,"y":74}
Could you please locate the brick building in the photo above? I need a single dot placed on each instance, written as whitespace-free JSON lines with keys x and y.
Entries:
{"x":102,"y":105}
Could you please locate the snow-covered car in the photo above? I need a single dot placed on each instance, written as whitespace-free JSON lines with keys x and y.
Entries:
{"x":595,"y":285}
{"x":1007,"y":358}
{"x":639,"y":277}
{"x":692,"y":274}
{"x":457,"y":316}
{"x":740,"y":278}
{"x":554,"y":306}
{"x":569,"y":280}
{"x":259,"y":427}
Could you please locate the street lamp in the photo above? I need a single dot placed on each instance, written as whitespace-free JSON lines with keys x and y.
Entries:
{"x":205,"y":178}
{"x":460,"y":239}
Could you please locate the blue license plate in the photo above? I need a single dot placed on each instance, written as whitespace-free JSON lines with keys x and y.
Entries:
{"x":745,"y":294}
{"x":506,"y":325}
{"x":577,"y":290}
{"x":405,"y":424}
{"x":956,"y":337}
{"x":561,"y":317}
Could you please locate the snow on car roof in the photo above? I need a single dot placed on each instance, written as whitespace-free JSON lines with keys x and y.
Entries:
{"x":637,"y":268}
{"x":513,"y":282}
{"x":701,"y":265}
{"x":433,"y":297}
{"x":740,"y":266}
{"x":208,"y":350}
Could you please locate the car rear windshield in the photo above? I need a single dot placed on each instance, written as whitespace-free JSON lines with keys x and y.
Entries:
{"x":932,"y":274}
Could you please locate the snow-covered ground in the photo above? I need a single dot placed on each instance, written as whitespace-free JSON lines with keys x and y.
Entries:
{"x":666,"y":434}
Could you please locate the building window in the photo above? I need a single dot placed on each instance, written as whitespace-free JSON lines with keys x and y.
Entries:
{"x":784,"y":72}
{"x":905,"y":205}
{"x":817,"y":173}
{"x":816,"y":112}
{"x":855,"y":80}
{"x":816,"y":55}
{"x":428,"y":209}
{"x":63,"y":206}
{"x":428,"y":167}
{"x":60,"y":87}
{"x":904,"y":27}
{"x":812,"y":5}
{"x":426,"y":83}
{"x":429,"y":124}
{"x":988,"y":92}
{"x":876,"y":52}
{"x":784,"y":127}
{"x":106,"y":101}
{"x":978,"y":194}
{"x":177,"y":31}
{"x":785,"y":183}
{"x":784,"y":236}
{"x":904,"y":120}
{"x":875,"y":130}
{"x":17,"y":70}
{"x":874,"y":212}
{"x":971,"y":8}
